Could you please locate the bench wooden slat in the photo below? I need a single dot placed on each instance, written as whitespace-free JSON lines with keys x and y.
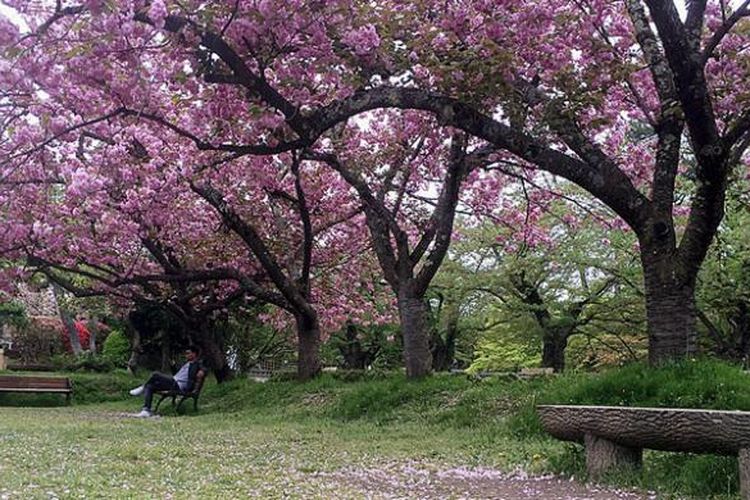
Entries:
{"x":35,"y":384}
{"x":33,"y":389}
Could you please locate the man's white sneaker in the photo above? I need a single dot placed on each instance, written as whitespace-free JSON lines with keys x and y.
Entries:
{"x":144,"y":414}
{"x":137,"y":391}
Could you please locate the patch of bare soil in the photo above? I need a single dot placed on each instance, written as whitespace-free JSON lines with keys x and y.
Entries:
{"x":420,"y":481}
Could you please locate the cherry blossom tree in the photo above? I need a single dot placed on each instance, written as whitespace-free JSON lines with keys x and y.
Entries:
{"x":625,"y":99}
{"x":410,"y":227}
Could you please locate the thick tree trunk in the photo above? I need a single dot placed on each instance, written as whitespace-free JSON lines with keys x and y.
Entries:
{"x":553,"y":350}
{"x":70,"y":327}
{"x":743,"y":332}
{"x":444,"y":349}
{"x":68,"y":322}
{"x":355,"y":358}
{"x":216,"y":359}
{"x":413,"y":314}
{"x":93,"y":326}
{"x":134,"y":336}
{"x":207,"y":336}
{"x":165,"y":364}
{"x":308,"y":347}
{"x":670,"y":310}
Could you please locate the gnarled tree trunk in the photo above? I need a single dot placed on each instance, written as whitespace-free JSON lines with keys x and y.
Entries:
{"x":356,"y":356}
{"x":206,"y":335}
{"x":134,"y":336}
{"x":308,"y":346}
{"x":444,"y":349}
{"x":413,"y":315}
{"x":93,"y":326}
{"x":670,"y":308}
{"x":216,"y":359}
{"x":554,"y":343}
{"x":165,"y":364}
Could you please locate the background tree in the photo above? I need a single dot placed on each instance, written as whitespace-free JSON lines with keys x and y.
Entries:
{"x":724,"y":284}
{"x":558,"y":92}
{"x":580,"y":280}
{"x":410,"y":230}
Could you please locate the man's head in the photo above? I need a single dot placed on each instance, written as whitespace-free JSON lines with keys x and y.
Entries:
{"x":192,"y":353}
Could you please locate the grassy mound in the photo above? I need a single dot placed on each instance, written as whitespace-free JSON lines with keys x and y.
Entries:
{"x":706,"y":384}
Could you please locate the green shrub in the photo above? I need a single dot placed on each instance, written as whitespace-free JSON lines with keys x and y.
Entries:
{"x":89,"y":388}
{"x":116,"y":348}
{"x":86,"y":361}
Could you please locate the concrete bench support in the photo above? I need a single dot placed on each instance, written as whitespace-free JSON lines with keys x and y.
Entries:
{"x":603,"y":455}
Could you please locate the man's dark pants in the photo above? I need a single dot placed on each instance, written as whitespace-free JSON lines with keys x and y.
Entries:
{"x":157,"y":382}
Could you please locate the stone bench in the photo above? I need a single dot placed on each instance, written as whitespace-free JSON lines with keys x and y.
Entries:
{"x":615,"y":436}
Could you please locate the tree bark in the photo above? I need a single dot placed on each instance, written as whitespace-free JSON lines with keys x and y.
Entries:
{"x":70,"y":327}
{"x":135,"y":345}
{"x":444,"y":349}
{"x":308,"y":346}
{"x":68,"y":323}
{"x":205,"y":334}
{"x":216,"y":359}
{"x":413,"y":313}
{"x":93,"y":326}
{"x":670,"y":308}
{"x":355,"y":358}
{"x":553,"y":350}
{"x":166,"y":355}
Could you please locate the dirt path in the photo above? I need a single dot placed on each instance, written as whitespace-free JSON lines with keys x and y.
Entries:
{"x":418,"y":481}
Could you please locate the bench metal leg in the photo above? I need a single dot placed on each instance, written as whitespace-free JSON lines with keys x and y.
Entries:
{"x":182,"y":400}
{"x":161,"y":398}
{"x":603,"y":455}
{"x":744,"y":461}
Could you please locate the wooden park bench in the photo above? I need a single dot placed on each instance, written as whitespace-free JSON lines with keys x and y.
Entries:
{"x":36,"y":385}
{"x":194,"y":394}
{"x":616,"y":436}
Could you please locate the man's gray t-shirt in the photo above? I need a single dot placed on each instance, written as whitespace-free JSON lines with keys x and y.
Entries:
{"x":181,"y":377}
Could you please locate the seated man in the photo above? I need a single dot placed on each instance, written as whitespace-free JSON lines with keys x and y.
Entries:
{"x":183,"y":381}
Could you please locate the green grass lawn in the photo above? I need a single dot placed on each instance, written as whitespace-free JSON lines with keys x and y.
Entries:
{"x":286,"y":439}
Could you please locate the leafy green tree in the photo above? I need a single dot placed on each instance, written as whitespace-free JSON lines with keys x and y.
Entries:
{"x":724,"y":284}
{"x":584,"y":281}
